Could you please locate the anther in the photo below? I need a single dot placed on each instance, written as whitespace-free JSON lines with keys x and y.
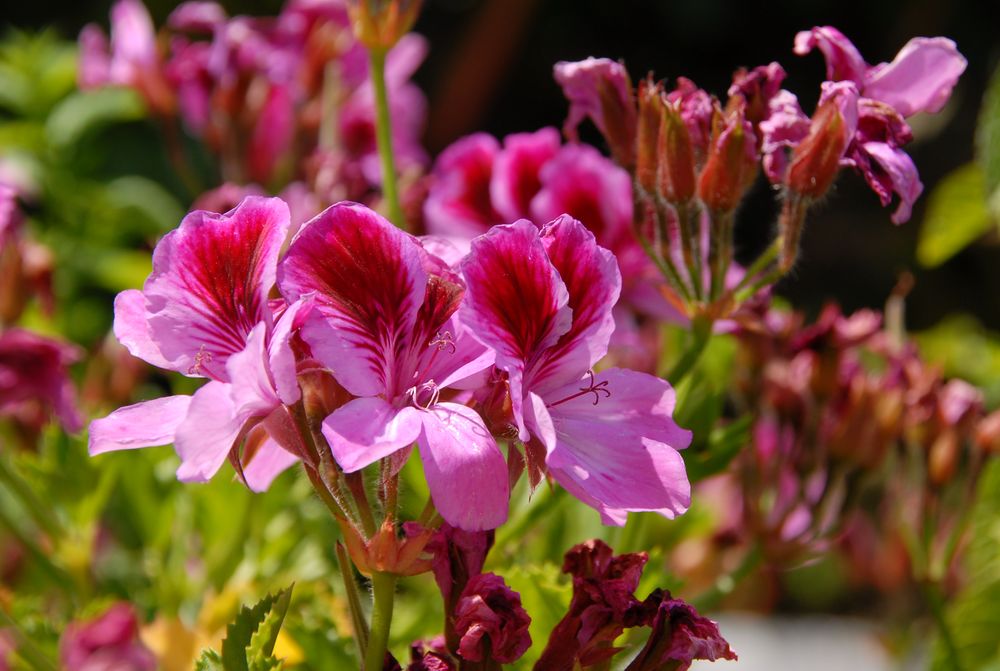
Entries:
{"x":593,"y":387}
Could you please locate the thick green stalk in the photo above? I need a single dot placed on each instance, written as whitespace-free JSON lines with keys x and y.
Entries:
{"x":701,"y":333}
{"x":383,"y":594}
{"x":935,"y":600}
{"x":383,"y":134}
{"x":353,"y":599}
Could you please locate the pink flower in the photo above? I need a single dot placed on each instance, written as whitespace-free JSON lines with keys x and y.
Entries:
{"x":599,"y":88}
{"x":385,"y":326}
{"x":204,"y":312}
{"x":459,"y":201}
{"x":34,"y":375}
{"x":542,"y":300}
{"x":783,"y":129}
{"x":107,"y":643}
{"x":919,"y":79}
{"x":490,"y":621}
{"x":517,"y":171}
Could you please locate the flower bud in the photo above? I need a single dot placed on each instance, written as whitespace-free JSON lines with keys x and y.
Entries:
{"x":732,"y":161}
{"x":987,"y":434}
{"x":677,"y":159}
{"x":379,"y":24}
{"x":942,"y":462}
{"x":648,"y":134}
{"x":816,"y":160}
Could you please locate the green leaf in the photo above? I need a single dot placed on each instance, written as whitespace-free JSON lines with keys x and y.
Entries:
{"x":724,"y":443}
{"x":956,"y":216}
{"x":147,"y":199}
{"x":988,"y":134}
{"x":251,"y":636}
{"x":209,"y":661}
{"x":81,"y":113}
{"x":975,"y":613}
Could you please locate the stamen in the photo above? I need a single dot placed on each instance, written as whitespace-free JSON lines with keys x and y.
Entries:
{"x":595,"y":388}
{"x":442,"y":340}
{"x":200,"y":359}
{"x":424,"y":395}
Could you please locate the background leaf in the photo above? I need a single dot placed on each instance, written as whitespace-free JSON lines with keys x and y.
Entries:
{"x":956,"y":215}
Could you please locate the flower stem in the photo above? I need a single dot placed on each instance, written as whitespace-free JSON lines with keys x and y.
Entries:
{"x":383,"y":134}
{"x":383,"y":594}
{"x":353,"y":599}
{"x":701,"y":333}
{"x":935,"y":600}
{"x":25,"y":648}
{"x":41,"y":514}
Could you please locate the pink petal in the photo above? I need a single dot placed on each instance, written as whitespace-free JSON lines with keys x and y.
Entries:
{"x":211,"y":428}
{"x":131,"y":327}
{"x":594,"y":283}
{"x":252,"y":389}
{"x":785,"y":126}
{"x":369,"y":283}
{"x":465,"y":469}
{"x":843,"y":61}
{"x":368,"y":429}
{"x":516,"y":303}
{"x":270,"y":461}
{"x":281,"y":358}
{"x":516,"y":171}
{"x":586,"y":185}
{"x":94,"y":68}
{"x":898,"y":168}
{"x":133,"y":41}
{"x":210,"y":283}
{"x":272,"y":135}
{"x":620,"y":454}
{"x":459,"y":203}
{"x":197,"y":17}
{"x":920,"y":78}
{"x":145,"y":424}
{"x":582,"y":83}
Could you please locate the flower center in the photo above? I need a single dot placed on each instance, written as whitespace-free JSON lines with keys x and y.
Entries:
{"x":424,"y":395}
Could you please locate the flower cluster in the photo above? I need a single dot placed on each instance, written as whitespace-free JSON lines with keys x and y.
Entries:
{"x":447,"y":351}
{"x":280,"y":100}
{"x":841,"y":399}
{"x":692,"y":159}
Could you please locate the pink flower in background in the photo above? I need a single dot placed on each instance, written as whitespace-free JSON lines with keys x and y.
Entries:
{"x":109,"y":642}
{"x":490,"y":622}
{"x":459,"y":202}
{"x":543,"y":301}
{"x":7,"y":648}
{"x":385,"y":325}
{"x":517,"y":172}
{"x":599,"y":88}
{"x":204,"y":312}
{"x":34,"y":377}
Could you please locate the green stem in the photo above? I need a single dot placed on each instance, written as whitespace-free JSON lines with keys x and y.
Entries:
{"x":766,"y":258}
{"x":721,"y":254}
{"x":383,"y":594}
{"x":935,"y":600}
{"x":40,"y":558}
{"x":353,"y":599}
{"x":689,"y":220}
{"x":701,"y":333}
{"x":383,"y":134}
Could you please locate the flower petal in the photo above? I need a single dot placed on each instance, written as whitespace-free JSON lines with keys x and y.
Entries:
{"x":145,"y":424}
{"x":516,"y":171}
{"x":131,"y":327}
{"x":620,"y":452}
{"x":210,"y":282}
{"x":896,"y":169}
{"x":367,"y":429}
{"x":458,"y":203}
{"x":270,"y":461}
{"x":211,"y":428}
{"x":516,"y":303}
{"x":920,"y":78}
{"x":281,"y":358}
{"x":843,"y":61}
{"x":369,"y":283}
{"x":594,"y":283}
{"x":465,"y":469}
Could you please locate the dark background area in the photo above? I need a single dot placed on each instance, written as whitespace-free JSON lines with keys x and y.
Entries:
{"x":490,"y":69}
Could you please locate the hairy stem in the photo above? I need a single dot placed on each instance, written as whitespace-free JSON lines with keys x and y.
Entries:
{"x":383,"y":134}
{"x":383,"y":595}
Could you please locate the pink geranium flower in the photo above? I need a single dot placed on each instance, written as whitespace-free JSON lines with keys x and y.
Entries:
{"x":542,"y":300}
{"x":109,"y":642}
{"x":204,"y":312}
{"x":385,"y":325}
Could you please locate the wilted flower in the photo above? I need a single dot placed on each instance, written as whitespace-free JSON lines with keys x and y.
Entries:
{"x":600,"y":89}
{"x":490,"y":623}
{"x":679,"y":636}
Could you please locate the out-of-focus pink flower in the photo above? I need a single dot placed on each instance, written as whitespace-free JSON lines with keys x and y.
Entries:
{"x":542,"y":300}
{"x":272,"y":134}
{"x":783,"y":129}
{"x":517,"y":172}
{"x":109,"y":642}
{"x":7,"y":648}
{"x":459,"y":202}
{"x":679,"y":636}
{"x":919,"y":79}
{"x":197,"y":17}
{"x":696,"y":109}
{"x":204,"y":312}
{"x":385,"y":325}
{"x":34,"y":370}
{"x":490,"y":622}
{"x":599,"y":88}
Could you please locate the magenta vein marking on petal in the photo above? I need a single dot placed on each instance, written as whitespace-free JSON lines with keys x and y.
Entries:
{"x":596,"y":389}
